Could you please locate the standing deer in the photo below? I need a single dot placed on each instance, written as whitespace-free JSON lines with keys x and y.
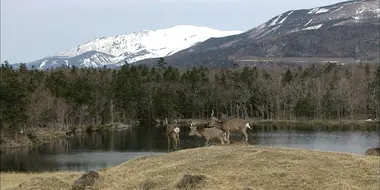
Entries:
{"x":172,"y":132}
{"x":235,"y":124}
{"x":207,"y":132}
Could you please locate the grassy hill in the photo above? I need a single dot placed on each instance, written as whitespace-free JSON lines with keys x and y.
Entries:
{"x":224,"y":167}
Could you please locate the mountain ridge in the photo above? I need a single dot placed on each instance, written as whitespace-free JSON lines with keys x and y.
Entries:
{"x":348,"y":29}
{"x":132,"y":47}
{"x":327,"y":31}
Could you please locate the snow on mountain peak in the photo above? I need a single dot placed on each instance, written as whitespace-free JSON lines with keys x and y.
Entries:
{"x":149,"y":43}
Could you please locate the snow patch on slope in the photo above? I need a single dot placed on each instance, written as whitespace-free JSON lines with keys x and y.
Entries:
{"x":322,"y":11}
{"x":308,"y":22}
{"x":286,"y":17}
{"x":313,"y":27}
{"x":318,"y":10}
{"x":275,"y":20}
{"x":337,"y":9}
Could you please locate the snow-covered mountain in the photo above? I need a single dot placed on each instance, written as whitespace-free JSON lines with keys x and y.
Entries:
{"x":132,"y":47}
{"x":347,"y":13}
{"x":348,"y":29}
{"x":344,"y":13}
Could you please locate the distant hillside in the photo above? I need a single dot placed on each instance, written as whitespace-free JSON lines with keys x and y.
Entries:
{"x":344,"y":30}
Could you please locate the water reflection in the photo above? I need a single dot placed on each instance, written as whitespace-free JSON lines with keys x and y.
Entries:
{"x":105,"y":149}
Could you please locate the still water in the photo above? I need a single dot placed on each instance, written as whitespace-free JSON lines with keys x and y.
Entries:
{"x":87,"y":151}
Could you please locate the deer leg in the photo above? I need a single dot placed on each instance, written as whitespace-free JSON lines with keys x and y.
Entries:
{"x":221,"y":140}
{"x":179,"y":141}
{"x":244,"y":131}
{"x":175,"y":145}
{"x":207,"y":139}
{"x":168,"y":143}
{"x":228,"y":137}
{"x":225,"y":136}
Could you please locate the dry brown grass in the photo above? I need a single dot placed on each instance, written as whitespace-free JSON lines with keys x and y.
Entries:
{"x":37,"y":180}
{"x":226,"y":167}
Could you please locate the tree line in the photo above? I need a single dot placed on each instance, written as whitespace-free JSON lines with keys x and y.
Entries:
{"x":64,"y":97}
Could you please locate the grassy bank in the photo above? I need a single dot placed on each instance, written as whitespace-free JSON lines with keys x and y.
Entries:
{"x":224,"y":167}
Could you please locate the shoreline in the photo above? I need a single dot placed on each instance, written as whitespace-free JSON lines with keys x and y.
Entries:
{"x":297,"y":122}
{"x":28,"y":142}
{"x":45,"y":136}
{"x":317,"y":122}
{"x":259,"y":167}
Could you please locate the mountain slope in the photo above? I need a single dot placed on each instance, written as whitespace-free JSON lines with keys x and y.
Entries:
{"x":132,"y":47}
{"x":344,"y":30}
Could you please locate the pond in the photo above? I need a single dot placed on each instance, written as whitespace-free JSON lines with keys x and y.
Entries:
{"x":96,"y":150}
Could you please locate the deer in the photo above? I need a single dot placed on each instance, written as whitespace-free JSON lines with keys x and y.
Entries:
{"x":172,"y":132}
{"x":207,"y":132}
{"x":231,"y":125}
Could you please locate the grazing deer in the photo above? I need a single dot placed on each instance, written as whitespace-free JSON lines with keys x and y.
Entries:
{"x":207,"y":132}
{"x":235,"y":124}
{"x":373,"y":152}
{"x":172,"y":132}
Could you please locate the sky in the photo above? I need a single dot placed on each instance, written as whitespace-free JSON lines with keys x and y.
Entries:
{"x":33,"y":29}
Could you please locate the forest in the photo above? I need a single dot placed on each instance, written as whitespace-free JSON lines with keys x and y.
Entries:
{"x":69,"y":96}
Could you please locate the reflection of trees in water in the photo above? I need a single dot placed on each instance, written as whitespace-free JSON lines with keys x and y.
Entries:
{"x":45,"y":156}
{"x":132,"y":139}
{"x":310,"y":130}
{"x":54,"y":147}
{"x":23,"y":160}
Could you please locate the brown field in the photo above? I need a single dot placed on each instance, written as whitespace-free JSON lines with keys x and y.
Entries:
{"x":224,"y":167}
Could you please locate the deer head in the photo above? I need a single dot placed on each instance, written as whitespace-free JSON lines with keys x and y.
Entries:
{"x":193,"y":129}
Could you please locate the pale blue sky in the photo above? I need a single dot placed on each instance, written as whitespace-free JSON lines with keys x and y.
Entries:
{"x":32,"y":29}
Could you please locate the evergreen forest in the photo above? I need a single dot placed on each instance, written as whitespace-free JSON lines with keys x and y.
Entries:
{"x":70,"y":96}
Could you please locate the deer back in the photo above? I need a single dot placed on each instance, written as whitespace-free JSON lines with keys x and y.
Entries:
{"x":213,"y":132}
{"x":233,"y":124}
{"x":203,"y":129}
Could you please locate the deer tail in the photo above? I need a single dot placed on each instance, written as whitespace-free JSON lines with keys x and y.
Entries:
{"x":247,"y":125}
